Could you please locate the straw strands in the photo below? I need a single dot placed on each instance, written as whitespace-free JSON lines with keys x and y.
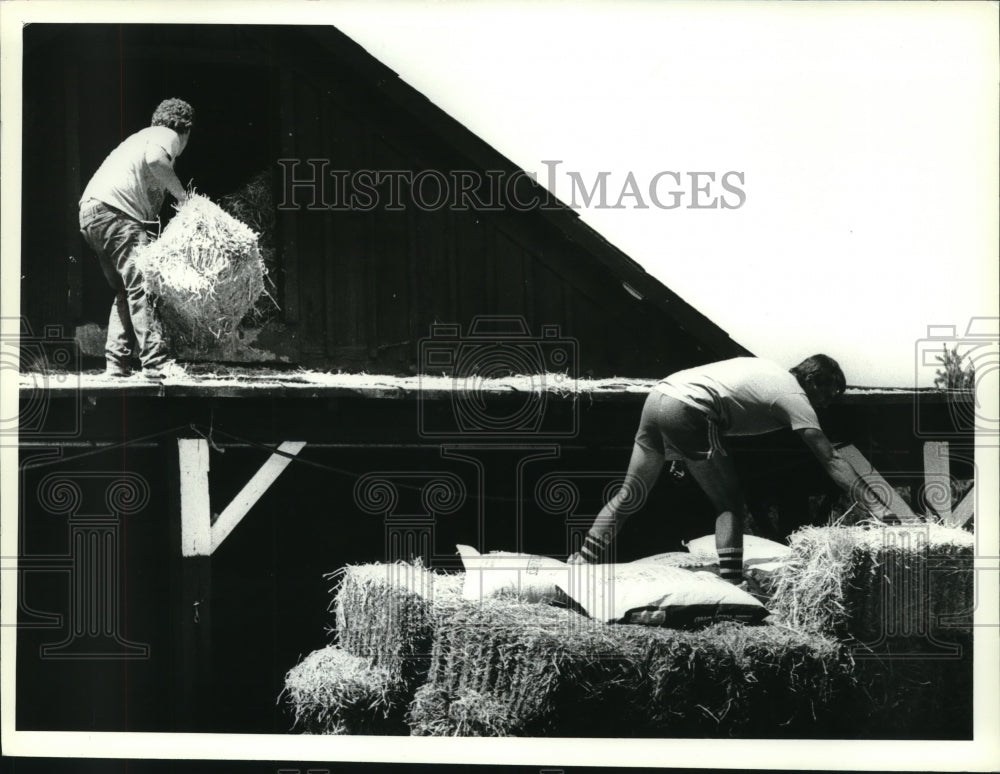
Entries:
{"x":388,"y":612}
{"x":333,"y":692}
{"x":867,"y":582}
{"x":205,"y":271}
{"x":504,"y":667}
{"x":855,"y":648}
{"x":902,"y":600}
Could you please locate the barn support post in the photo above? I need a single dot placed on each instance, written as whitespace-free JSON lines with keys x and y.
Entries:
{"x":192,"y":609}
{"x":937,"y":479}
{"x":198,"y":538}
{"x":874,"y":479}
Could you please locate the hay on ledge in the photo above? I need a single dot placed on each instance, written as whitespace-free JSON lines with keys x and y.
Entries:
{"x":205,"y":271}
{"x":332,"y":692}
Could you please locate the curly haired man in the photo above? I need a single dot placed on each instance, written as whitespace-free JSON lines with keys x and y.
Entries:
{"x":122,"y":199}
{"x":687,"y":415}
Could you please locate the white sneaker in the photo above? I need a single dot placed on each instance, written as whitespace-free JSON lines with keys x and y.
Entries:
{"x":168,"y":369}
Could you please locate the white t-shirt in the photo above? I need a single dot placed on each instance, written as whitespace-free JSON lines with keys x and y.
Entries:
{"x":126,"y":182}
{"x":744,"y":396}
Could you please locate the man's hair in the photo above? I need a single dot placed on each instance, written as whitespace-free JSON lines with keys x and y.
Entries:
{"x":174,"y":114}
{"x":823,"y":370}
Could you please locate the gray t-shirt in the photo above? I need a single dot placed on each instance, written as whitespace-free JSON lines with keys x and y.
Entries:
{"x":744,"y":396}
{"x":125,"y":180}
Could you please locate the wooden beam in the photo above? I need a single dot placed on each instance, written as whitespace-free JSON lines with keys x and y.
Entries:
{"x":288,"y":218}
{"x":196,"y":511}
{"x":251,"y":493}
{"x":874,"y":479}
{"x":192,"y":590}
{"x":74,"y":244}
{"x":937,"y":478}
{"x":964,"y":510}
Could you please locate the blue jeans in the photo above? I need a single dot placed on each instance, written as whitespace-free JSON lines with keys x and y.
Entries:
{"x":134,"y":326}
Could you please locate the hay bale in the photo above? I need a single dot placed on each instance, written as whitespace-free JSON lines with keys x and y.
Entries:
{"x":386,"y":613}
{"x":333,"y":692}
{"x":889,"y":592}
{"x":253,"y":204}
{"x":870,"y":583}
{"x":504,"y":667}
{"x":436,"y":712}
{"x":205,"y":271}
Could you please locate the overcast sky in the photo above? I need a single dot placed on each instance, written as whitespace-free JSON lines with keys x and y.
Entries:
{"x":865,"y":136}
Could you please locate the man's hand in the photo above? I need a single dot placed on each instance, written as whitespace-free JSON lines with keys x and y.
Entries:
{"x":576,"y":558}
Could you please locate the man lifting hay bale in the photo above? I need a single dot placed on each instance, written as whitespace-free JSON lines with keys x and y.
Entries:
{"x":206,"y":272}
{"x":121,"y":200}
{"x":687,"y":415}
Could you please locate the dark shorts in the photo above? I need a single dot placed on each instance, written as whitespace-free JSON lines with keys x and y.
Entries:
{"x":676,"y":430}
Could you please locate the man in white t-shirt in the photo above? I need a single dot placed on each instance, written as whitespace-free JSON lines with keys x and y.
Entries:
{"x":120,"y":202}
{"x":687,"y":415}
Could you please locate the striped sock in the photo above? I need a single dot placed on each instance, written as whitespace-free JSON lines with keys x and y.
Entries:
{"x":731,"y":564}
{"x":592,"y":549}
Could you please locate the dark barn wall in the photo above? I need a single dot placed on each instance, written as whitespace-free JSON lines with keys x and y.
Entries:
{"x":269,"y":596}
{"x":357,"y":289}
{"x":87,"y":87}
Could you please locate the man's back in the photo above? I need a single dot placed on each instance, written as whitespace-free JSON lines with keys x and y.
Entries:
{"x":744,"y":396}
{"x":125,"y":181}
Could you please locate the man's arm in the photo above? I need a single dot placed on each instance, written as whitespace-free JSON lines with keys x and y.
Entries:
{"x":841,"y":471}
{"x":162,"y":166}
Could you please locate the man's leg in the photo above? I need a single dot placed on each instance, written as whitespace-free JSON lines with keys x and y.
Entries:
{"x":145,"y":320}
{"x":96,"y":227}
{"x":717,"y":478}
{"x":643,"y":470}
{"x":120,"y":342}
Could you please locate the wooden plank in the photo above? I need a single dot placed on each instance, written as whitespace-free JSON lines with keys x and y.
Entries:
{"x":509,"y":275}
{"x":192,"y":583}
{"x":390,"y":256}
{"x":196,"y":512}
{"x":331,"y":268}
{"x":937,"y":478}
{"x":251,"y":493}
{"x":874,"y":479}
{"x":964,"y":510}
{"x":311,"y":224}
{"x":289,"y":217}
{"x":74,"y":244}
{"x":417,"y":224}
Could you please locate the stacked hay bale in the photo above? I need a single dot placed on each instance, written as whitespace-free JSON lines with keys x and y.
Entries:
{"x":902,"y":598}
{"x":507,"y":667}
{"x":849,"y":652}
{"x":334,"y":692}
{"x":385,"y":618}
{"x":205,"y":271}
{"x":502,"y":667}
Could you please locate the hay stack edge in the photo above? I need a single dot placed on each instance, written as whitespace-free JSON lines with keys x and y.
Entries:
{"x":206,"y":272}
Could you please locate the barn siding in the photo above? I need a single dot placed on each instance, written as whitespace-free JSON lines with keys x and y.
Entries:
{"x":356,"y":289}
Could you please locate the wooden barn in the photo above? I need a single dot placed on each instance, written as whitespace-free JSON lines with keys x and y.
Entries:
{"x":430,"y":374}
